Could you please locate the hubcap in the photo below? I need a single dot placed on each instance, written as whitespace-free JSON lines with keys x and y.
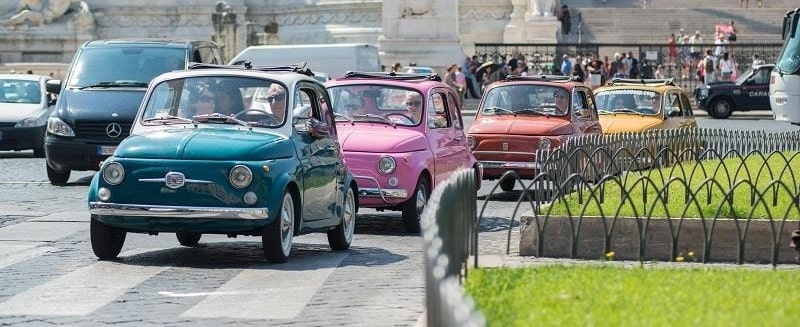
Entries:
{"x":348,"y":217}
{"x":287,"y":223}
{"x":722,"y":107}
{"x":421,"y":200}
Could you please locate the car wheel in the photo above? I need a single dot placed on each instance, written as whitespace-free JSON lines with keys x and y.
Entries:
{"x":188,"y":238}
{"x":508,"y":184}
{"x":278,"y":235}
{"x":57,"y":177}
{"x":340,"y":237}
{"x":412,"y":208}
{"x":107,"y":241}
{"x":721,"y":109}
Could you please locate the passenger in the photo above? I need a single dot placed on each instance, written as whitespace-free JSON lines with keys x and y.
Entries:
{"x":204,"y":102}
{"x":562,"y":101}
{"x":229,"y":99}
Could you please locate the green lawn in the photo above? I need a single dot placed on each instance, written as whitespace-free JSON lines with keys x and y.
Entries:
{"x":753,"y":169}
{"x":601,"y":295}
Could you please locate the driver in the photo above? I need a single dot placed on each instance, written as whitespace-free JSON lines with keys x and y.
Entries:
{"x":276,"y":98}
{"x":413,"y":103}
{"x":562,"y":101}
{"x":655,"y":102}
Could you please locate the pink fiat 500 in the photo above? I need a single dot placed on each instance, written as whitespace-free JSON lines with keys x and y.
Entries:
{"x":401,"y":135}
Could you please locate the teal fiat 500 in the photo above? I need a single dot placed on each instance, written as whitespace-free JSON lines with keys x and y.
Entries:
{"x":232,"y":150}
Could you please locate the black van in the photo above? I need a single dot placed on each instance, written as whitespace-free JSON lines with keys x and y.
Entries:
{"x":104,"y":86}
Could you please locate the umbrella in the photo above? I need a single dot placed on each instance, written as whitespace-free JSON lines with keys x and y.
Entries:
{"x":482,"y":67}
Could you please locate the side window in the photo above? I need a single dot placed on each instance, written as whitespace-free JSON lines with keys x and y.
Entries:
{"x":673,"y":103}
{"x":591,"y":106}
{"x":579,"y":104}
{"x":454,"y":113}
{"x":196,"y":57}
{"x":325,"y":110}
{"x":217,"y":56}
{"x":304,"y":108}
{"x":761,"y":77}
{"x":206,"y":55}
{"x":438,"y":116}
{"x":687,"y":105}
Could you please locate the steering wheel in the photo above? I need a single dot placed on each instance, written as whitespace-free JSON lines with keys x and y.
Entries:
{"x":404,"y":116}
{"x":268,"y":118}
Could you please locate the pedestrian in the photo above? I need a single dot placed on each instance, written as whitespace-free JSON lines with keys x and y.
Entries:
{"x":727,"y":68}
{"x":709,"y":63}
{"x":566,"y":65}
{"x":672,"y":49}
{"x":566,"y":19}
{"x":757,"y":61}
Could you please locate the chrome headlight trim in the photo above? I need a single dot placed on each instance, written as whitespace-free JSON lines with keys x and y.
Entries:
{"x":113,"y":173}
{"x":387,"y":165}
{"x":240,"y":176}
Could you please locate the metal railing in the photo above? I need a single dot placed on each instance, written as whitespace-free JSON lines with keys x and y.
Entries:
{"x":547,"y":58}
{"x":447,"y":229}
{"x":649,"y":170}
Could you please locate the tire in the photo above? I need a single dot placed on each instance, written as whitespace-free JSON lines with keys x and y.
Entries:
{"x":188,"y":238}
{"x":721,"y":109}
{"x":107,"y":241}
{"x":412,"y":208}
{"x":277,"y":236}
{"x":340,"y":237}
{"x":507,"y":185}
{"x":57,"y":177}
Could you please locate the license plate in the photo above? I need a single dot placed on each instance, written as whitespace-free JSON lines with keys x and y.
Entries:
{"x":106,"y":150}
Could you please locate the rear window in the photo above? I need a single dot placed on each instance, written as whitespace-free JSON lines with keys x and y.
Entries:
{"x":20,"y":91}
{"x":130,"y":66}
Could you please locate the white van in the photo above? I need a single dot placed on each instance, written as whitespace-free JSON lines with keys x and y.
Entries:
{"x":334,"y":60}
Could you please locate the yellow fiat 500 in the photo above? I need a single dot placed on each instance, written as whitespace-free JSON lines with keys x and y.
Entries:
{"x":632,"y":105}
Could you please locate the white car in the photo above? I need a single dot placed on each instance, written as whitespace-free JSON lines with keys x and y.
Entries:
{"x":24,"y":104}
{"x":420,"y":70}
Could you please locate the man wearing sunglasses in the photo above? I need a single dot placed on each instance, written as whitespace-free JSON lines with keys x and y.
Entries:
{"x":276,"y":97}
{"x":562,"y":101}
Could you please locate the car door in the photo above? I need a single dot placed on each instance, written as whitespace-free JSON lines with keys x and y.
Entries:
{"x":319,"y":156}
{"x":687,"y":115}
{"x":755,"y":90}
{"x":584,"y":112}
{"x":441,"y":135}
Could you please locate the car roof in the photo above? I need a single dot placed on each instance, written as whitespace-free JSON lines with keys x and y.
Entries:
{"x":176,"y":43}
{"x":422,"y":82}
{"x":656,"y":85}
{"x":24,"y":77}
{"x":567,"y":82}
{"x":285,"y":74}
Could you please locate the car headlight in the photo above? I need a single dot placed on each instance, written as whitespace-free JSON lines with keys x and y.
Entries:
{"x":471,"y":142}
{"x":387,"y":165}
{"x":544,"y":143}
{"x":703,"y":93}
{"x":113,"y":173}
{"x":240,"y":176}
{"x":56,"y":126}
{"x":39,"y":120}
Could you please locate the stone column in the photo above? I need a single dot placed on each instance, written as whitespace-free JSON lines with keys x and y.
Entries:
{"x":224,"y":20}
{"x":422,"y":31}
{"x":536,"y":25}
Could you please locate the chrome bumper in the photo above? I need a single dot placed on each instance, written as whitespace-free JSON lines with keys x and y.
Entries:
{"x":383,"y":193}
{"x":509,"y":164}
{"x":138,"y":210}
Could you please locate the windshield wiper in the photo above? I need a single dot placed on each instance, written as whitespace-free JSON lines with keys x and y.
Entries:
{"x":336,"y":114}
{"x":532,"y":111}
{"x":168,"y":119}
{"x":114,"y":84}
{"x":496,"y":109}
{"x":376,"y":116}
{"x":217,"y":118}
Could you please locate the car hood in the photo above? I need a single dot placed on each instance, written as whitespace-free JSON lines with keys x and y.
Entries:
{"x":206,"y":143}
{"x":618,"y":123}
{"x":521,"y":126}
{"x":14,"y":112}
{"x":722,"y":85}
{"x":379,"y":138}
{"x":93,"y":104}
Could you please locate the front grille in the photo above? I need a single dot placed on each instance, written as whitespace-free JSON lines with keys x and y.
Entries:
{"x":97,"y":130}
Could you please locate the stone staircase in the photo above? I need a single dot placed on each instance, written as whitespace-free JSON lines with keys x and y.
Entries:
{"x":624,"y":21}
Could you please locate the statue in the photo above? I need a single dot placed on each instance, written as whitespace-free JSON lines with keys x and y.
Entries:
{"x":37,"y":13}
{"x":539,"y":8}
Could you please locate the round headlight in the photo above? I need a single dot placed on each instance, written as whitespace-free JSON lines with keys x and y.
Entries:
{"x":471,"y":142}
{"x":240,"y":176}
{"x":113,"y":173}
{"x":387,"y":165}
{"x":544,"y":144}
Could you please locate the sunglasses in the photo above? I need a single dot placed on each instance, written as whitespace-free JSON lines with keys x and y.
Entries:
{"x":413,"y":103}
{"x":207,"y":98}
{"x":277,"y":97}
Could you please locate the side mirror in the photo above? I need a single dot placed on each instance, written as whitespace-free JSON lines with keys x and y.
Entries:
{"x":318,"y":129}
{"x":673,"y":112}
{"x":53,"y":86}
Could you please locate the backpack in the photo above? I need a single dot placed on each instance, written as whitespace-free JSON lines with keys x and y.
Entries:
{"x":709,"y":65}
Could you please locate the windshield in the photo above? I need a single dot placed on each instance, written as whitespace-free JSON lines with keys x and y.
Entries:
{"x":256,"y":102}
{"x":788,"y":61}
{"x":123,"y":66}
{"x":377,"y":103}
{"x":643,"y":102}
{"x":20,"y":91}
{"x":526,"y":100}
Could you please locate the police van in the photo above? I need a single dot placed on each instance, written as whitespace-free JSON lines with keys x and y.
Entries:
{"x":750,"y":91}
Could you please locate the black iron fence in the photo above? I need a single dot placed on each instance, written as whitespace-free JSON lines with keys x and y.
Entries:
{"x":447,"y":229}
{"x":677,"y":62}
